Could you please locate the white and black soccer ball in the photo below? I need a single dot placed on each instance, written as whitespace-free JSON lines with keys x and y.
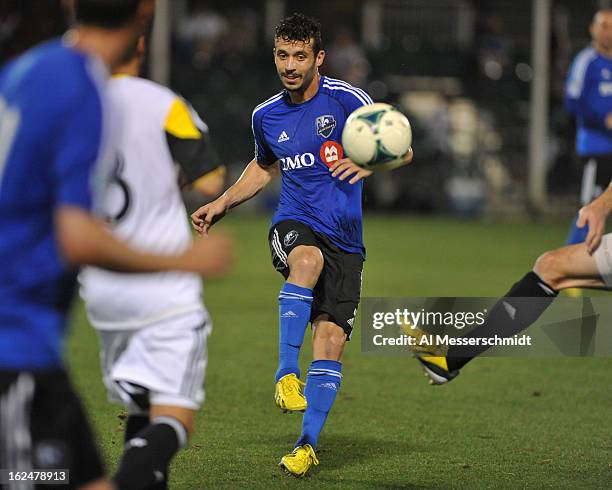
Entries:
{"x":375,"y":135}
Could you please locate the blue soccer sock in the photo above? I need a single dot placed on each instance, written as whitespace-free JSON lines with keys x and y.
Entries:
{"x":576,"y":235}
{"x":322,"y":385}
{"x":294,"y":303}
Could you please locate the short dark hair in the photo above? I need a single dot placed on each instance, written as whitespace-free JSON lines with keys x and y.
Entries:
{"x":299,"y":27}
{"x":604,"y":10}
{"x":110,"y":14}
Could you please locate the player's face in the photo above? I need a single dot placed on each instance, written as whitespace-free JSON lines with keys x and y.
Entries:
{"x":296,"y":63}
{"x":601,"y":31}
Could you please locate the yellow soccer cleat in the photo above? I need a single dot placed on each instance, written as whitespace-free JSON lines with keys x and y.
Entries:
{"x":289,"y":394}
{"x":436,"y":369}
{"x":572,"y":293}
{"x":299,"y":461}
{"x":431,"y":357}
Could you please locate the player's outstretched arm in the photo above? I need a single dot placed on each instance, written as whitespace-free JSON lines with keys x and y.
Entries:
{"x":594,"y":215}
{"x":346,"y":168}
{"x":254,"y":178}
{"x":84,"y":240}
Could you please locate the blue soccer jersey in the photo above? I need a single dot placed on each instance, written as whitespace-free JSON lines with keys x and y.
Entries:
{"x":588,"y":95}
{"x":51,"y":136}
{"x":306,"y":139}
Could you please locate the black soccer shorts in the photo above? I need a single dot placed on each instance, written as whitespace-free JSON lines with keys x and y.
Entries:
{"x":43,"y":427}
{"x":596,"y":176}
{"x":338,"y":291}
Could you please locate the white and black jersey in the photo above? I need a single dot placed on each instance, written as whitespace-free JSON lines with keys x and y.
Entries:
{"x":144,"y":207}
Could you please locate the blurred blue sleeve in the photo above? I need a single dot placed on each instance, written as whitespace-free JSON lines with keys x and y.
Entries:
{"x":582,"y":97}
{"x":78,"y":145}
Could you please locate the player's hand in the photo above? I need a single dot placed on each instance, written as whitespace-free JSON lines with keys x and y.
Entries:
{"x":203,"y":218}
{"x":408,"y":157}
{"x":594,"y":215}
{"x":345,"y":168}
{"x":211,"y":256}
{"x":609,"y":121}
{"x":405,"y":160}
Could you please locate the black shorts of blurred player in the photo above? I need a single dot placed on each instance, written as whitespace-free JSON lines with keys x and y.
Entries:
{"x":45,"y":428}
{"x":338,"y":290}
{"x":596,"y":176}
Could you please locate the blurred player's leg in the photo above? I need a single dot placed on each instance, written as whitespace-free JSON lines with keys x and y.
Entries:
{"x":157,"y":372}
{"x":508,"y":317}
{"x":149,"y":451}
{"x":567,"y":267}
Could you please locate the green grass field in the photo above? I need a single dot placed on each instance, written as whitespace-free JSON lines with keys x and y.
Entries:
{"x":504,"y":423}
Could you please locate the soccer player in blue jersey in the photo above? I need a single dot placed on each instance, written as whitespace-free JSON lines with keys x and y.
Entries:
{"x":316,"y":236}
{"x":588,"y":96}
{"x":55,"y":145}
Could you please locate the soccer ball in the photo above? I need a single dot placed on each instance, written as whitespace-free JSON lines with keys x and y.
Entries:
{"x":376,"y":134}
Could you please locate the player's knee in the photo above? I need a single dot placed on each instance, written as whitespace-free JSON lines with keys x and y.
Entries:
{"x":335,"y":345}
{"x":337,"y":337}
{"x":307,"y":263}
{"x":549,"y":266}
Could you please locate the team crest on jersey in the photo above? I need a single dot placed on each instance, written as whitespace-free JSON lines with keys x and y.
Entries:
{"x":290,"y":238}
{"x":331,"y":152}
{"x":325,"y":125}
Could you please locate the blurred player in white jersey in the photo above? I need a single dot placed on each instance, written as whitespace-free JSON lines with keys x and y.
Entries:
{"x":152,"y":327}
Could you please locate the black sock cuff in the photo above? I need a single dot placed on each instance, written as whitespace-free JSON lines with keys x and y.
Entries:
{"x":547,"y":288}
{"x":532,"y":286}
{"x":179,"y":429}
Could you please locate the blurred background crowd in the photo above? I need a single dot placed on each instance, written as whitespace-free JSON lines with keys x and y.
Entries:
{"x":460,"y":69}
